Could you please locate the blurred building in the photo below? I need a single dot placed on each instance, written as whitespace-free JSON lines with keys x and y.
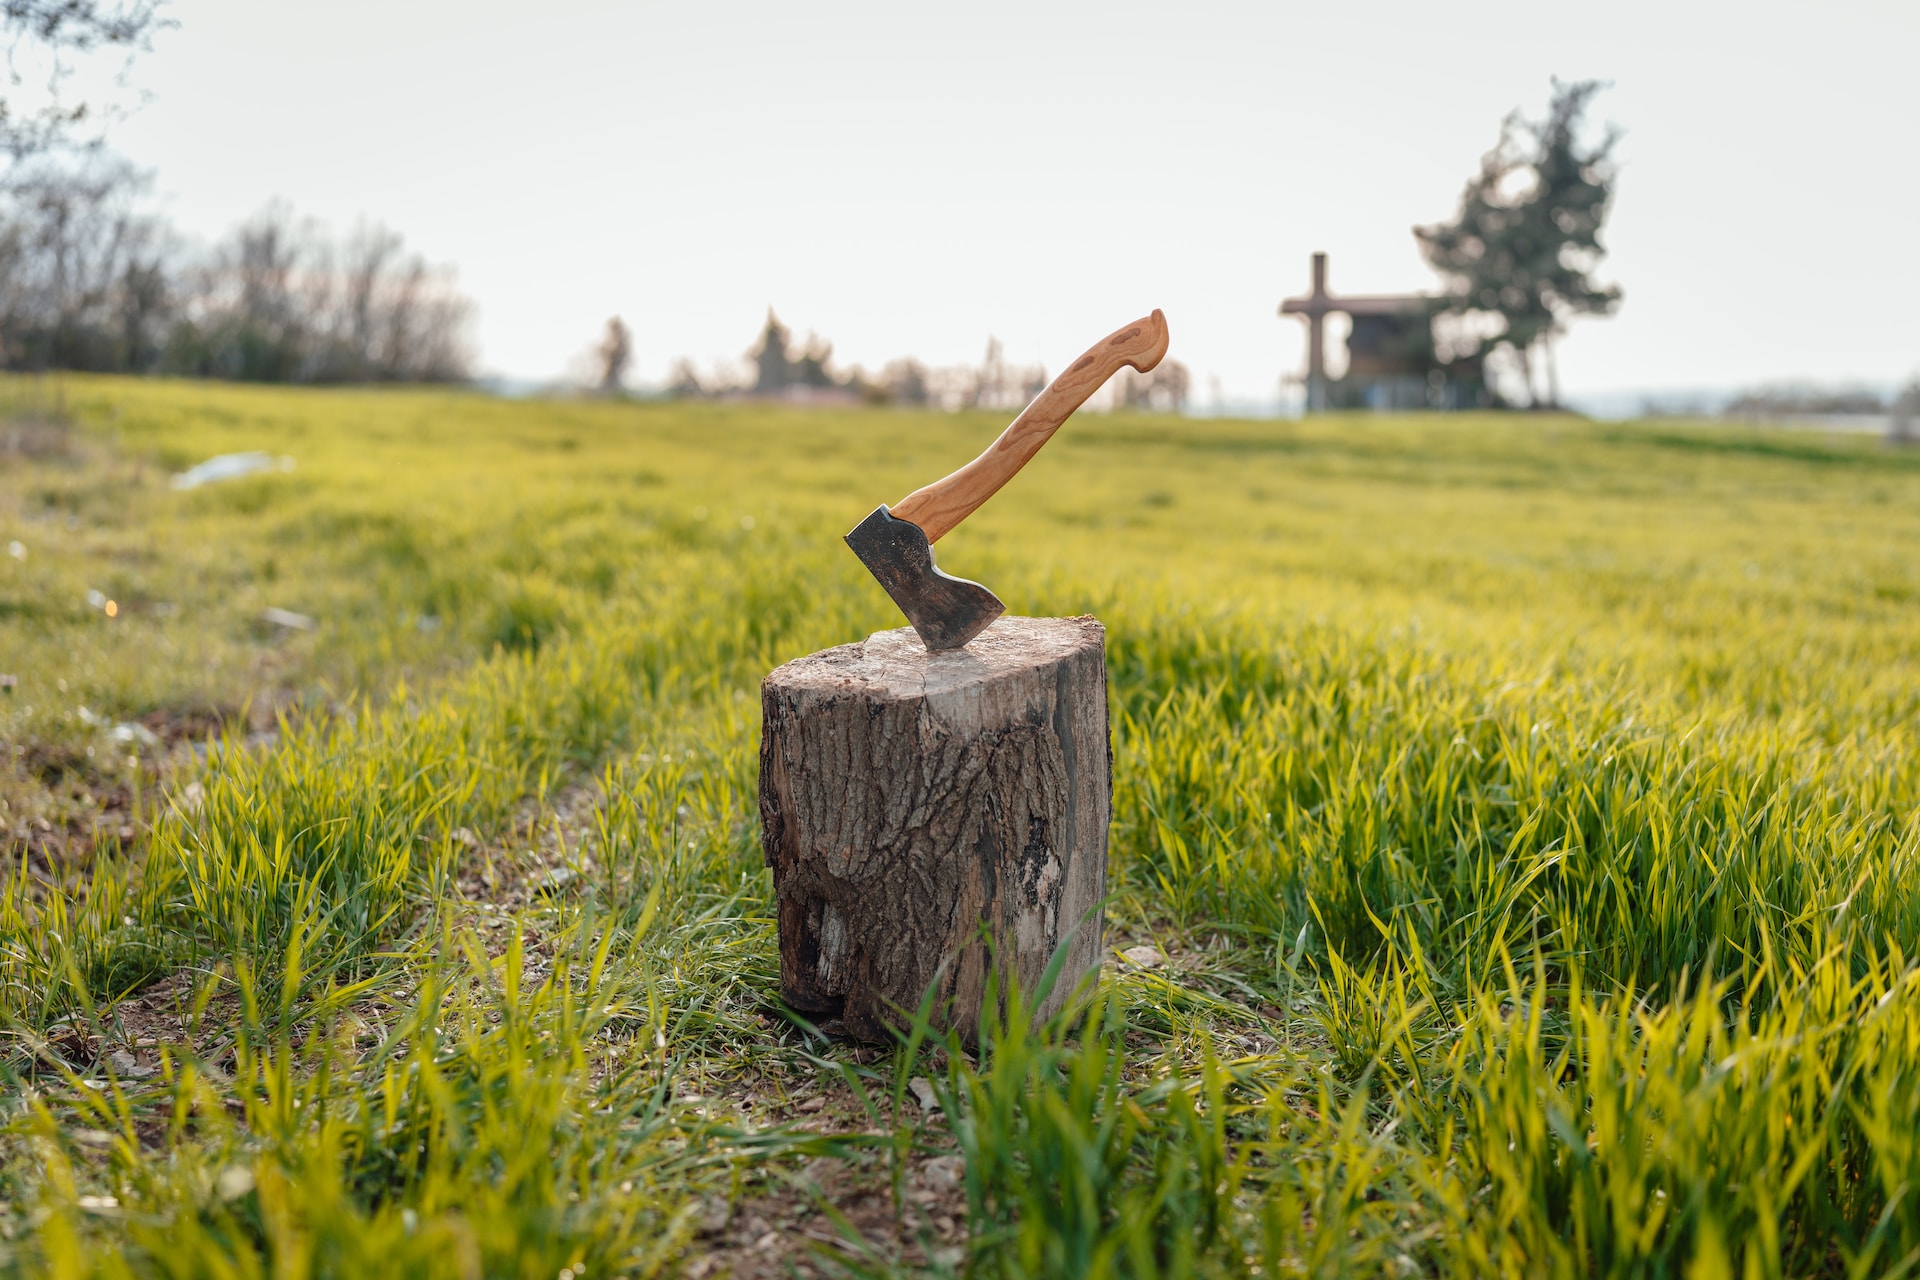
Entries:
{"x":1393,"y":361}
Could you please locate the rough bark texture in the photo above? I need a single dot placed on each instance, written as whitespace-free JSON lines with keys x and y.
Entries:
{"x":908,"y":799}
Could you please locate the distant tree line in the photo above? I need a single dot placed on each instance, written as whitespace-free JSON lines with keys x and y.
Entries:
{"x":91,"y":281}
{"x":1805,"y":401}
{"x":780,"y":367}
{"x":1785,"y":403}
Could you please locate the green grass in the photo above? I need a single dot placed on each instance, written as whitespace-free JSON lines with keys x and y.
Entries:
{"x":1530,"y":808}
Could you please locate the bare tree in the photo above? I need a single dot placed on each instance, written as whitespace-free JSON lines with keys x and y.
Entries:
{"x":999,"y":385}
{"x":614,"y":353}
{"x":362,"y":330}
{"x":684,"y":382}
{"x":905,"y":382}
{"x":994,"y":384}
{"x":1903,"y":419}
{"x":57,"y":30}
{"x":83,"y":283}
{"x":89,"y":280}
{"x":1165,"y":389}
{"x":279,"y":301}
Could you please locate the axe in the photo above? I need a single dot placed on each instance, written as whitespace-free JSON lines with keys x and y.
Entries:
{"x":896,"y":544}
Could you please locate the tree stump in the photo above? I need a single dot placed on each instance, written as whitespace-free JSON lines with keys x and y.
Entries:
{"x":912,"y":802}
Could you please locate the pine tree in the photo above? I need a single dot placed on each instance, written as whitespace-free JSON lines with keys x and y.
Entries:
{"x":773,"y":368}
{"x":1526,"y":240}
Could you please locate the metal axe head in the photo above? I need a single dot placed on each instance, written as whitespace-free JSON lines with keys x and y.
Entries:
{"x":945,"y":611}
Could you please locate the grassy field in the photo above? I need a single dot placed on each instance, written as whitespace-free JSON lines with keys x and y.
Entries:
{"x":1527,"y":812}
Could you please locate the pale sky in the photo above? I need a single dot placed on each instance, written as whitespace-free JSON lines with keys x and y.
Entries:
{"x":911,"y":178}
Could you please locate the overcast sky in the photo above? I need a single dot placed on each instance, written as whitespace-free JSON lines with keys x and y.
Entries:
{"x":910,"y":178}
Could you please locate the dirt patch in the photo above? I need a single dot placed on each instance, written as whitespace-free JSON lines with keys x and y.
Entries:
{"x":176,"y":725}
{"x":35,"y":437}
{"x":838,"y":1208}
{"x":856,"y":1205}
{"x":543,"y":849}
{"x":67,"y":820}
{"x":67,"y":800}
{"x":127,"y":1042}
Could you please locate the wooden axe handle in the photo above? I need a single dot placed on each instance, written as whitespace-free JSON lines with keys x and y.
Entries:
{"x":940,"y":506}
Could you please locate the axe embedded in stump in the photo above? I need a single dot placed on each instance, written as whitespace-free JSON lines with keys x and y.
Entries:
{"x":896,"y":543}
{"x":935,"y":811}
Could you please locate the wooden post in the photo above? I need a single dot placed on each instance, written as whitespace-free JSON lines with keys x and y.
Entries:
{"x":1316,"y":306}
{"x":908,"y":798}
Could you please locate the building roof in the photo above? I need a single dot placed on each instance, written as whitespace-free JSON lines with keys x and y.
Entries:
{"x":1358,"y":304}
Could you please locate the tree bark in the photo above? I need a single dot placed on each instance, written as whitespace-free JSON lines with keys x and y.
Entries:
{"x":916,"y":805}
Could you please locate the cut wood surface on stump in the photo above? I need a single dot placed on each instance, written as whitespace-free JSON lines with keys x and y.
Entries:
{"x":911,"y":800}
